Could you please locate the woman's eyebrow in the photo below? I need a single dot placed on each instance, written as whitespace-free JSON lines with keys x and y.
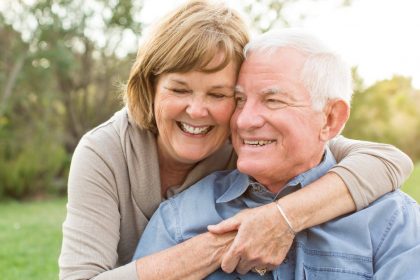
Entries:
{"x":222,"y":86}
{"x":179,"y":81}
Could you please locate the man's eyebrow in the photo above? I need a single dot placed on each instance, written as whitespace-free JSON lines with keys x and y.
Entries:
{"x":281,"y":92}
{"x":271,"y":91}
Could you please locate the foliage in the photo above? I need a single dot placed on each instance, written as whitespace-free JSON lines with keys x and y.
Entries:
{"x":387,"y":112}
{"x":31,"y":237}
{"x":60,"y":69}
{"x":62,"y":63}
{"x":265,"y":15}
{"x":412,"y":186}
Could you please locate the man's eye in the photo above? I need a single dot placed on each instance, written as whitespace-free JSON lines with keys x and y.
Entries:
{"x":217,"y":95}
{"x":276,"y":102}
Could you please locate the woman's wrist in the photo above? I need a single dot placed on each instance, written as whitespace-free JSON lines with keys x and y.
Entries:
{"x":318,"y":202}
{"x":193,"y":259}
{"x":218,"y":245}
{"x":286,"y":219}
{"x":295,"y":214}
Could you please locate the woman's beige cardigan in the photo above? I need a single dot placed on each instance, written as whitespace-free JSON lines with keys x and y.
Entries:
{"x":114,"y":188}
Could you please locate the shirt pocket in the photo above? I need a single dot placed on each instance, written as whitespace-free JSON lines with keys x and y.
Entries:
{"x":333,"y":273}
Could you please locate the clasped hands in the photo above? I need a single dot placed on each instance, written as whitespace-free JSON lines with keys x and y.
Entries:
{"x":262,"y":240}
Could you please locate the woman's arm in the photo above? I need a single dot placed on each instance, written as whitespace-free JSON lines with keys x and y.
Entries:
{"x":193,"y":259}
{"x":159,"y":257}
{"x":370,"y":168}
{"x":91,"y":231}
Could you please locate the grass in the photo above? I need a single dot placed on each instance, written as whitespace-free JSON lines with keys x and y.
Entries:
{"x":412,"y":186}
{"x":30,"y":236}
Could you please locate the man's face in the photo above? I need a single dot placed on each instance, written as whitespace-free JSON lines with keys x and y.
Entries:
{"x":275,"y":131}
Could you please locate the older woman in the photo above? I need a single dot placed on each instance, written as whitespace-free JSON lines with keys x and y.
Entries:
{"x":174,"y":132}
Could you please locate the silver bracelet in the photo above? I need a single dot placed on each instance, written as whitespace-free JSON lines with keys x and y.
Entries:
{"x":292,"y":231}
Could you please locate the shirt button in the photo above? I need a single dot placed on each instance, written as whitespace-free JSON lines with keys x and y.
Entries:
{"x":257,"y":188}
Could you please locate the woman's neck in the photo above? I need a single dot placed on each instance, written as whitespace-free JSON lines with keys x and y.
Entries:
{"x":172,"y":172}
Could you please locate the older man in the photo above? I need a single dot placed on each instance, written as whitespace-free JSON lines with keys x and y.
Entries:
{"x":293,"y":96}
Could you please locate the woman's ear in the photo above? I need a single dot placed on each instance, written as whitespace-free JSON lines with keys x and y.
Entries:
{"x":336,"y":113}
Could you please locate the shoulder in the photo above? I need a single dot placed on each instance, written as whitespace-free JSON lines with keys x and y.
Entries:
{"x":212,"y":185}
{"x":107,"y":132}
{"x":397,"y":200}
{"x":393,"y":213}
{"x":386,"y":209}
{"x":395,"y":208}
{"x":396,"y":204}
{"x":390,"y":220}
{"x":113,"y":137}
{"x":202,"y":195}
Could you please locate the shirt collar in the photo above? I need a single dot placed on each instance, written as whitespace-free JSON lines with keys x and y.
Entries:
{"x":241,"y":182}
{"x":237,"y":188}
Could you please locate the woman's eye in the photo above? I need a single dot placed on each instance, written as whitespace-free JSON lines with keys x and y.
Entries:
{"x":240,"y":100}
{"x":177,"y":90}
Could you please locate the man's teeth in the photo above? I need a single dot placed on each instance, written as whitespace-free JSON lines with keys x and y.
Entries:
{"x":258,"y":142}
{"x":194,"y":130}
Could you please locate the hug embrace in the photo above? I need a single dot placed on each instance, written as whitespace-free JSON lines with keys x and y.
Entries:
{"x":226,"y":163}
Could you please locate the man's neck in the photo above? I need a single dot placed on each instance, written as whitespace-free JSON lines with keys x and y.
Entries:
{"x":275,"y":185}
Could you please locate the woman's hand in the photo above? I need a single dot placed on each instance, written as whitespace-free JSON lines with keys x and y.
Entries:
{"x":195,"y":258}
{"x":262,"y":241}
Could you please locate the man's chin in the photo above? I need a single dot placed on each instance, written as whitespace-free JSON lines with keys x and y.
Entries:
{"x":247,"y":166}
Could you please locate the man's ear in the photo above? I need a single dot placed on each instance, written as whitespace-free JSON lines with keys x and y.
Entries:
{"x":336,"y":113}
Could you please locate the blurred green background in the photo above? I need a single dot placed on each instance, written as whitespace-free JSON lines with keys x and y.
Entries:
{"x":62,"y":66}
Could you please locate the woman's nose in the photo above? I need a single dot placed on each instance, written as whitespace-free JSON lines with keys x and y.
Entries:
{"x":197,"y":107}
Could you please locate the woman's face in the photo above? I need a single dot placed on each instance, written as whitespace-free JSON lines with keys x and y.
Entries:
{"x":193,"y":111}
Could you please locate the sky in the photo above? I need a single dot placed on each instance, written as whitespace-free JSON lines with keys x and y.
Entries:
{"x":380,"y":37}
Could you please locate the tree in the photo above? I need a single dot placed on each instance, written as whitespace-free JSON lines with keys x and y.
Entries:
{"x":265,"y":15}
{"x":61,"y":63}
{"x":387,"y":112}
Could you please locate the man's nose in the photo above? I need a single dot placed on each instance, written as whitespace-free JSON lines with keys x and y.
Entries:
{"x":249,"y":117}
{"x":197,"y":107}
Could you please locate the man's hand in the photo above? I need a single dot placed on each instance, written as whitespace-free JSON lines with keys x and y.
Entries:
{"x":262,"y":241}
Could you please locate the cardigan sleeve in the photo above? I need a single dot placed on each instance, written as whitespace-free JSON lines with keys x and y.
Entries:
{"x":91,"y":231}
{"x":369,"y":169}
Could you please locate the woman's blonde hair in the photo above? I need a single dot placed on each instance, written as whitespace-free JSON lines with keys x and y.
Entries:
{"x":187,"y":39}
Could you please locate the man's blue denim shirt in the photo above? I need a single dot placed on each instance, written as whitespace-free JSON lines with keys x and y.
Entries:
{"x":379,"y":242}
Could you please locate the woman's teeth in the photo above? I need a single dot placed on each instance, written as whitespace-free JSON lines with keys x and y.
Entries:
{"x":258,"y":142}
{"x":194,"y":130}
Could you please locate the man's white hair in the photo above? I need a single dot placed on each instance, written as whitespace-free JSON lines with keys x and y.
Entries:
{"x":325,"y":74}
